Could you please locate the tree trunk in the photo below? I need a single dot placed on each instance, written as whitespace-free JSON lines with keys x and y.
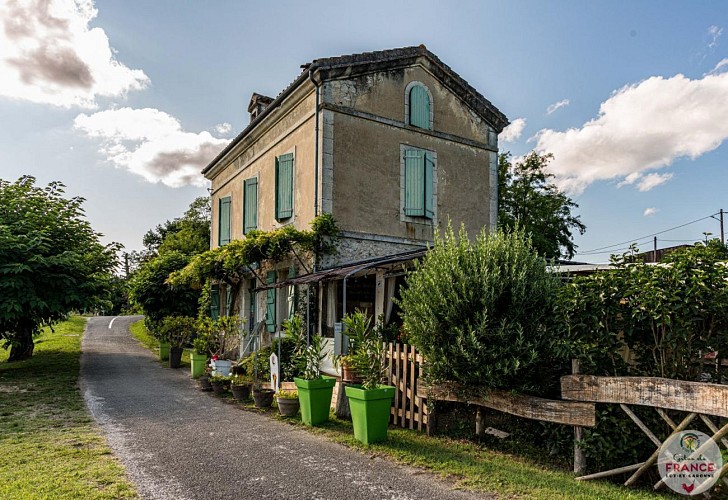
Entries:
{"x":23,"y":346}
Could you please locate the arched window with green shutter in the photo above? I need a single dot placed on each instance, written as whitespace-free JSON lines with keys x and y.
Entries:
{"x":419,"y":107}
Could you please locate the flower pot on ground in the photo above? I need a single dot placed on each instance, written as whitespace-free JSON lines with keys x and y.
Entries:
{"x":198,"y":363}
{"x":204,"y":382}
{"x":370,"y":411}
{"x":178,"y":330}
{"x":369,"y":402}
{"x":221,"y":366}
{"x":288,"y":404}
{"x":240,"y":386}
{"x":175,"y":356}
{"x":220,"y":384}
{"x":314,"y":389}
{"x":263,"y":398}
{"x":218,"y":338}
{"x":163,"y":351}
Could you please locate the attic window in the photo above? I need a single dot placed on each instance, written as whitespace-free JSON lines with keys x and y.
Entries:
{"x":418,"y":106}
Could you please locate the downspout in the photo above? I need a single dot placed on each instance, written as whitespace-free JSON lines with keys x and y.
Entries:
{"x":315,"y":196}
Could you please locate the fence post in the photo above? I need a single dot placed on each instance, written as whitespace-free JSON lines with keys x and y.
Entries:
{"x":579,"y":455}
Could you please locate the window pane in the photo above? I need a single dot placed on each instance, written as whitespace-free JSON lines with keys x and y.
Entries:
{"x":414,"y":181}
{"x":419,"y":107}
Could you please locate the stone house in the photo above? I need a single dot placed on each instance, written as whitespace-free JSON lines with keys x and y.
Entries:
{"x":391,"y":143}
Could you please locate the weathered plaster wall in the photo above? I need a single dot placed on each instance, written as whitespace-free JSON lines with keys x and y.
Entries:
{"x":292,"y":131}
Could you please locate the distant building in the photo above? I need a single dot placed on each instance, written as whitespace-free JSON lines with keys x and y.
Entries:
{"x":392,"y":143}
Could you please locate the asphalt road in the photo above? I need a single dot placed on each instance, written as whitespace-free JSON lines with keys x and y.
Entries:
{"x":179,"y":443}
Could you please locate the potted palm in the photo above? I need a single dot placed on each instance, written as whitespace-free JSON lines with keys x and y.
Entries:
{"x":369,"y":402}
{"x":178,"y":330}
{"x":314,"y":389}
{"x":288,"y":404}
{"x":262,"y":396}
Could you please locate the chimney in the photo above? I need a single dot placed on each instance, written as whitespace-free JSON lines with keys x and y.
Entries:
{"x":257,"y":105}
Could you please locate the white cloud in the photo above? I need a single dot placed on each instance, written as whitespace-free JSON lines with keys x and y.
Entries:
{"x":640,"y":128}
{"x":152,"y":144}
{"x":650,"y":211}
{"x":714,"y":32}
{"x":561,"y":104}
{"x":50,"y":55}
{"x":513,"y":131}
{"x":223,"y":128}
{"x":723,"y":63}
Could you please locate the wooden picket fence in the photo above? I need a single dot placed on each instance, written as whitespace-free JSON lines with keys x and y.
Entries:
{"x":409,"y":409}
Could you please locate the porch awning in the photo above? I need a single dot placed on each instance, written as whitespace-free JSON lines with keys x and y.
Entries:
{"x":351,"y":269}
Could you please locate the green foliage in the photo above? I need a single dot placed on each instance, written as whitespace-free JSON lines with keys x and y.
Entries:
{"x":157,"y":299}
{"x":230,"y":262}
{"x":216,"y":338}
{"x":310,"y":358}
{"x":51,"y":262}
{"x":241,"y":379}
{"x":178,"y":330}
{"x":528,"y":198}
{"x":189,"y":234}
{"x":287,"y":394}
{"x":482,"y":312}
{"x":367,"y":355}
{"x":645,"y":320}
{"x":292,"y":346}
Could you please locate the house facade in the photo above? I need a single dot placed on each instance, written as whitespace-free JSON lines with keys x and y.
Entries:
{"x":392,"y":143}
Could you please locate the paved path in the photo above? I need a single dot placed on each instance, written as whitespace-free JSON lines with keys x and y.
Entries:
{"x":179,"y":443}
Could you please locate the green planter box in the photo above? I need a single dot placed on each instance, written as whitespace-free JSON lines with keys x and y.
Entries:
{"x":370,"y":412}
{"x":197,"y":364}
{"x":315,"y":398}
{"x":163,"y":351}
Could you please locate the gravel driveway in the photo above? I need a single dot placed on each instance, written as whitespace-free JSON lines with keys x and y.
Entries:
{"x":179,"y":443}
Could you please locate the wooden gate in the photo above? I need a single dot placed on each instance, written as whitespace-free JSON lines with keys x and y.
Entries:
{"x":403,"y":372}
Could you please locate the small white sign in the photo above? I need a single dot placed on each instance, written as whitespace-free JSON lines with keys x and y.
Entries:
{"x":274,"y":374}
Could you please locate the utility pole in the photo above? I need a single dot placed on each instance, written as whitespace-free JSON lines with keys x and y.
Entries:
{"x":654,"y":250}
{"x":126,"y":265}
{"x":722,"y":233}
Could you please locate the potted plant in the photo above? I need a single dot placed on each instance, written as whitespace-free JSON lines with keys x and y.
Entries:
{"x":220,"y":335}
{"x":220,"y":384}
{"x":314,"y":389}
{"x":369,"y":402}
{"x":199,"y":354}
{"x":288,"y":404}
{"x":178,"y":330}
{"x":258,"y":365}
{"x":240,"y":386}
{"x":204,"y":380}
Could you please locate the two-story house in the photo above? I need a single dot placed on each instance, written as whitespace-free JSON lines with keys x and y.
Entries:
{"x":392,"y":143}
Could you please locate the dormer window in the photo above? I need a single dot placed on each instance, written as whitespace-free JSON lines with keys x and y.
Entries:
{"x":418,"y":106}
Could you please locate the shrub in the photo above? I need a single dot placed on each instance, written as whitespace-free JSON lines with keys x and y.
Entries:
{"x":178,"y":330}
{"x":482,"y":312}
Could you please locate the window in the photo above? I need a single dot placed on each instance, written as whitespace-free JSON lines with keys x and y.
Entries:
{"x":419,"y":172}
{"x":250,"y":205}
{"x":284,"y":186}
{"x":418,"y":104}
{"x":223,"y":221}
{"x":215,"y":302}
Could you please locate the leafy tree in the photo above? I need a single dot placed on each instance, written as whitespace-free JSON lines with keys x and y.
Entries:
{"x":481,"y":313}
{"x":51,"y":261}
{"x":157,"y":299}
{"x":189,"y":234}
{"x":527,"y":197}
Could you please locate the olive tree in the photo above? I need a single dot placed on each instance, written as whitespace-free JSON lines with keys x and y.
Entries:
{"x":51,"y":261}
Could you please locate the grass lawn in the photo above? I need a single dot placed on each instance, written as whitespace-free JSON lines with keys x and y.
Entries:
{"x":51,"y":448}
{"x":140,"y":332}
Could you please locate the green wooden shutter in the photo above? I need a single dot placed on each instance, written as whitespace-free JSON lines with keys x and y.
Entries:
{"x":270,"y":303}
{"x":250,"y":205}
{"x":284,"y":186}
{"x":429,"y":185}
{"x":214,"y":302}
{"x":414,"y":182}
{"x":419,"y":107}
{"x":223,"y":222}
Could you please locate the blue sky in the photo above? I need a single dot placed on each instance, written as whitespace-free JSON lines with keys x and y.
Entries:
{"x":106,"y":96}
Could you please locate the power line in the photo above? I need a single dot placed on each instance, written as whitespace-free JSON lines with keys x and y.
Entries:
{"x":647,"y":236}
